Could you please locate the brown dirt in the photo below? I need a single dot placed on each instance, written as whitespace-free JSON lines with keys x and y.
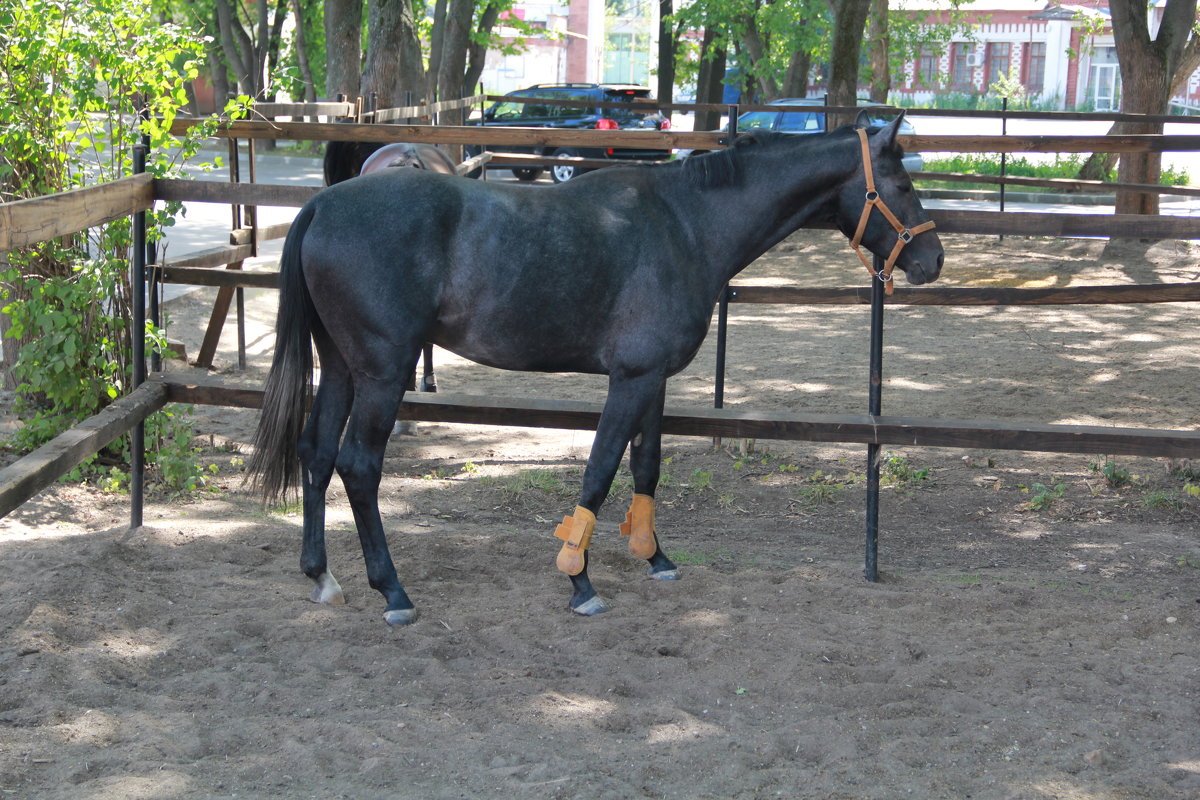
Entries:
{"x":1026,"y":641}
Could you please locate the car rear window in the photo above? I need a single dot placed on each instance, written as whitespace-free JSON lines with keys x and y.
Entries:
{"x":638,"y":102}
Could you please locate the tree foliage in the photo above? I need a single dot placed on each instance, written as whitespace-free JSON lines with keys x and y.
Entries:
{"x":81,"y":82}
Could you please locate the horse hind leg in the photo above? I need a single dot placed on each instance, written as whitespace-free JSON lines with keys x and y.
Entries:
{"x":360,"y":465}
{"x":645,"y":462}
{"x":318,"y":448}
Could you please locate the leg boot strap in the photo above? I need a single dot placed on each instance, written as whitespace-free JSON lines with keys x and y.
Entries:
{"x":576,"y":533}
{"x":639,"y":526}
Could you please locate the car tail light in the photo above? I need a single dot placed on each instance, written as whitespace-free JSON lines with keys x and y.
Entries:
{"x":664,"y":125}
{"x":604,"y":124}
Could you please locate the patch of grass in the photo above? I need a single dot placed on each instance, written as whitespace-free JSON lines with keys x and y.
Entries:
{"x":1114,"y":476}
{"x":820,"y":488}
{"x":899,"y":471}
{"x":698,"y":558}
{"x":1041,"y":496}
{"x":1190,"y":560}
{"x":520,"y":485}
{"x":1163,"y":501}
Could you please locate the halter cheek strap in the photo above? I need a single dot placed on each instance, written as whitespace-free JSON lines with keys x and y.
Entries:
{"x":873,"y":200}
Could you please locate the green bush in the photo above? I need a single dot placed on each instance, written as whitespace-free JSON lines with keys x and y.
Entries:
{"x":81,"y":83}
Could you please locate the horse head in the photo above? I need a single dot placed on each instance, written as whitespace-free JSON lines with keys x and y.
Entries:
{"x":879,"y":208}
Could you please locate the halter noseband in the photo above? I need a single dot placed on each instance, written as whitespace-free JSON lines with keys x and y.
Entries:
{"x":873,"y":200}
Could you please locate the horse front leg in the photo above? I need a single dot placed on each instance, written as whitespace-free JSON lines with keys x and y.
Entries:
{"x":629,"y":401}
{"x":645,"y":462}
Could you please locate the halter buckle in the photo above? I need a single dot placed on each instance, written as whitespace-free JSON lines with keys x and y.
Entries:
{"x":883,"y":276}
{"x":872,"y":195}
{"x":906,"y":236}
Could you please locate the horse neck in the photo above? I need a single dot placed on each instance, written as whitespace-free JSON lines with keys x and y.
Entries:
{"x":778,"y":191}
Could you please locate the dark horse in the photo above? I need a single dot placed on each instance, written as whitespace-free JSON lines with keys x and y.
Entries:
{"x":615,"y":273}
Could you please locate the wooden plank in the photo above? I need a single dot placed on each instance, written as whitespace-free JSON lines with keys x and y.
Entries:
{"x":524,"y":160}
{"x":213,"y":256}
{"x":458,"y":134}
{"x":984,"y":296}
{"x":652,"y":139}
{"x":1061,"y":184}
{"x":427,"y":110}
{"x":27,"y":476}
{"x":1138,"y":143}
{"x":206,"y":276}
{"x":756,"y":424}
{"x":39,"y":219}
{"x":252,"y":194}
{"x":1129,"y":226}
{"x":325,"y":109}
{"x":246,"y":235}
{"x":474,"y":162}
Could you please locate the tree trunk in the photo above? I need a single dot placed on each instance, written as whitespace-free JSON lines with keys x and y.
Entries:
{"x":343,"y":47}
{"x":667,"y":46}
{"x":1148,"y":68}
{"x":795,"y":84}
{"x":478,"y":49}
{"x":455,"y":40}
{"x":879,"y":43}
{"x":306,"y":76}
{"x":709,"y":83}
{"x":849,"y":23}
{"x":754,"y":45}
{"x":393,"y":64}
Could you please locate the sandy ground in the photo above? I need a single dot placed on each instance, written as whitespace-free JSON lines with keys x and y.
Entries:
{"x":1034,"y":635}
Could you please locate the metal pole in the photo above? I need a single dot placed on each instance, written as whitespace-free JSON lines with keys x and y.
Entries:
{"x":874,"y":408}
{"x":1003,"y":156}
{"x":723,"y":305}
{"x":151,"y":256}
{"x":137,"y":438}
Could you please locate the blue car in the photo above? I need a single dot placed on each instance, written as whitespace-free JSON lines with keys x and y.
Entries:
{"x":812,"y":122}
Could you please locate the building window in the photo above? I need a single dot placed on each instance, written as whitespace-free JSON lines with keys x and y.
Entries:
{"x":998,"y":56}
{"x":627,"y":58}
{"x":927,"y":67}
{"x":1035,"y":67}
{"x":962,"y":65}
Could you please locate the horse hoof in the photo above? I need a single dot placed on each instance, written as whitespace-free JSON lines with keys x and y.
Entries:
{"x":399,"y":617}
{"x":327,"y":591}
{"x":663,"y":575}
{"x":405,"y":427}
{"x":590,"y":608}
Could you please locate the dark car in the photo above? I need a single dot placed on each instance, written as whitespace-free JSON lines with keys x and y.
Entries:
{"x":814,"y":122}
{"x":635,"y":111}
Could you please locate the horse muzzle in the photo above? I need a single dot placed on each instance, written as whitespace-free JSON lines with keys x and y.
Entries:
{"x":922,"y":260}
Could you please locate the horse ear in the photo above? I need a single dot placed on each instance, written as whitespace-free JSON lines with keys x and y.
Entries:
{"x":863,"y":120}
{"x":889,"y":132}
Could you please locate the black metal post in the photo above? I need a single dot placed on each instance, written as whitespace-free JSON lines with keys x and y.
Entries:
{"x":722,"y":330}
{"x":152,"y":288}
{"x":137,"y":335}
{"x":1003,"y":156}
{"x":874,"y":408}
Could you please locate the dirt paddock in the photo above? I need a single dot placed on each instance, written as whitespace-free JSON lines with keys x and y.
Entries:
{"x":1035,"y":634}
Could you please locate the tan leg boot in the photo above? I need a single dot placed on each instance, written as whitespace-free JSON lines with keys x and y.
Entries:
{"x":639,"y":526}
{"x":576,"y":533}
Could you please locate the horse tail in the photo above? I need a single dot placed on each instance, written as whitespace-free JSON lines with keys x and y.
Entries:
{"x":275,"y":466}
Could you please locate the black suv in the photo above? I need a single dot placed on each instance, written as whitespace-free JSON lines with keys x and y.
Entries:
{"x":634,"y":113}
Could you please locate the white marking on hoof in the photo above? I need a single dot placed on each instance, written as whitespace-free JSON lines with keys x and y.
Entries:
{"x":404,"y":427}
{"x":327,"y":591}
{"x":399,"y":617}
{"x":664,"y":575}
{"x":597,"y":605}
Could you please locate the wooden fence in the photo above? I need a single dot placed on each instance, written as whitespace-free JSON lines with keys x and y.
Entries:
{"x":27,"y":222}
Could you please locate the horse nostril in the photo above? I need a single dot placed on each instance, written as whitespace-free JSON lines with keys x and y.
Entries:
{"x":940,"y":260}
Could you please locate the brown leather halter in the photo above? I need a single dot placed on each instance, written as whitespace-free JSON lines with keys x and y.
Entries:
{"x":873,"y":200}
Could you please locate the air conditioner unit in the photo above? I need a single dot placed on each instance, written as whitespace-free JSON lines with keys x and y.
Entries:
{"x":974,"y":59}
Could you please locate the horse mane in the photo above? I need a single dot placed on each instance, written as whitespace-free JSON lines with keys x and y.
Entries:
{"x":723,"y":167}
